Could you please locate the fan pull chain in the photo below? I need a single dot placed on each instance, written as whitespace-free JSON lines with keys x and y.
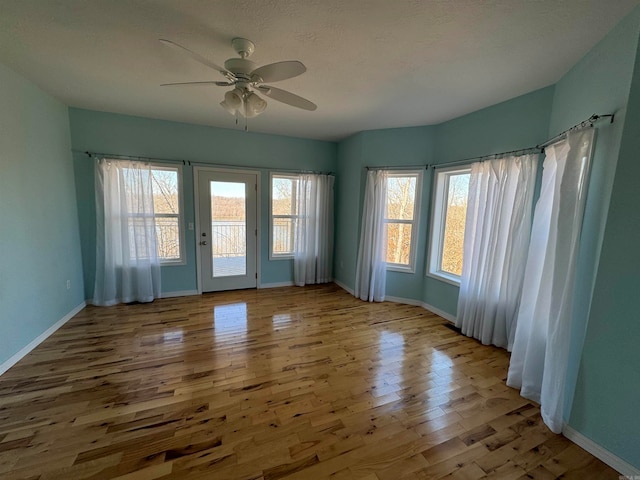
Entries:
{"x":246,"y":115}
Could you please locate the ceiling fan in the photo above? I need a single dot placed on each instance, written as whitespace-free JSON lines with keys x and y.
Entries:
{"x":242,"y":74}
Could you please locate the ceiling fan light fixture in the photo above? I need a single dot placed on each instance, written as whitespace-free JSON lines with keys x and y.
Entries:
{"x":228,"y":108}
{"x":245,"y":77}
{"x":232,"y":101}
{"x":254,"y":105}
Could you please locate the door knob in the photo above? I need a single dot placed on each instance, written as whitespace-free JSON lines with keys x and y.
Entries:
{"x":204,"y":242}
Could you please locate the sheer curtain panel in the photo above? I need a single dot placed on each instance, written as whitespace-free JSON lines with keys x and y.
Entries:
{"x":313,"y":244}
{"x":543,"y":333}
{"x":127,"y":264}
{"x":371,"y":268}
{"x":496,"y":239}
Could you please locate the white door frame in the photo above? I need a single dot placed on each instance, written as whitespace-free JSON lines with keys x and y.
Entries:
{"x":196,"y":173}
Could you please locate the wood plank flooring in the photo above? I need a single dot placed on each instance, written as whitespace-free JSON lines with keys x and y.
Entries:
{"x":287,"y":383}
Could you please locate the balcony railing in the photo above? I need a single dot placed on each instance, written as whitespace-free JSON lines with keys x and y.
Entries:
{"x":282,"y":236}
{"x":229,"y":239}
{"x":228,"y":248}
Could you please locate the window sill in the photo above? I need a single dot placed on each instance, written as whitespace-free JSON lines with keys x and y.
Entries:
{"x":280,"y":257}
{"x":177,"y":263}
{"x":400,"y":269}
{"x":443,"y":277}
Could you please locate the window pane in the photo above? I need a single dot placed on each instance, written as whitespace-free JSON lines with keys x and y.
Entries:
{"x":282,"y":201}
{"x":398,"y":243}
{"x":228,"y":228}
{"x":282,"y":236}
{"x":165,"y":191}
{"x":165,"y":202}
{"x":227,"y":201}
{"x":139,"y":236}
{"x":401,"y":192}
{"x":168,"y":235}
{"x":456,"y":214}
{"x":283,"y":211}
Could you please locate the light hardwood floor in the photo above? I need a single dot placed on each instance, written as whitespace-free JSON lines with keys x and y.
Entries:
{"x":296,"y":383}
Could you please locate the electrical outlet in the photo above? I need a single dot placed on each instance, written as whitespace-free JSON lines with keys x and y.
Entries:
{"x":68,"y":284}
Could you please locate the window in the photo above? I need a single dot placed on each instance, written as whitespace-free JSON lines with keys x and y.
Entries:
{"x":447,"y":223}
{"x":401,"y":214}
{"x":166,"y":186}
{"x":283,"y":215}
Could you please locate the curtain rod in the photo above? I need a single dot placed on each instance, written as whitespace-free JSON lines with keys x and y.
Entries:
{"x":402,"y":167}
{"x":538,"y":148}
{"x":193,"y":164}
{"x":521,"y":151}
{"x":588,"y":122}
{"x":131,"y":157}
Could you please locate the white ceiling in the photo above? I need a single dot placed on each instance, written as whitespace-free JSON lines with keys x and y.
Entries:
{"x":371,"y":63}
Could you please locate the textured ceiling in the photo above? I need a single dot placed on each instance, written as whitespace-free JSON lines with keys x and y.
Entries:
{"x":371,"y":63}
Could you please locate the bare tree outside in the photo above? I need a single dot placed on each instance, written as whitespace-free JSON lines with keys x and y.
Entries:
{"x":456,"y":215}
{"x":283,"y":211}
{"x":167,"y":212}
{"x":401,"y":194}
{"x":228,"y":220}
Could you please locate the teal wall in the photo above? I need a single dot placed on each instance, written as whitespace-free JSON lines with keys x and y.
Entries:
{"x":127,"y":135}
{"x":347,"y":210}
{"x":516,"y":123}
{"x":401,"y":147}
{"x":39,"y":240}
{"x":521,"y":122}
{"x":607,"y":397}
{"x":376,"y":148}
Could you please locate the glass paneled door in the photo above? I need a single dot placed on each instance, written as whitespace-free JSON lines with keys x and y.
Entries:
{"x":228,"y":236}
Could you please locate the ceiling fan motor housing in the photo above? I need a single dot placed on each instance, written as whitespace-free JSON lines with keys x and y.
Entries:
{"x":243,"y":46}
{"x":240,"y":66}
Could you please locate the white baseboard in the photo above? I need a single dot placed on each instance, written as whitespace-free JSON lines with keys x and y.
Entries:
{"x":343,"y":286}
{"x":404,"y":301}
{"x":437,"y":311}
{"x":600,"y":452}
{"x":7,"y":364}
{"x":426,"y":306}
{"x":179,"y":293}
{"x":182,"y":293}
{"x":276,"y":285}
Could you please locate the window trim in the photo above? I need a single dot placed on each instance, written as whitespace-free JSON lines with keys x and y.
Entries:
{"x":291,"y":176}
{"x":415,"y":223}
{"x":438,"y":214}
{"x":181,"y":230}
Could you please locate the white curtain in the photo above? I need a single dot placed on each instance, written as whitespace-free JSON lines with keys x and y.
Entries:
{"x":313,"y":243}
{"x":371,"y":269}
{"x":541,"y":348}
{"x":496,"y":239}
{"x":127,"y":264}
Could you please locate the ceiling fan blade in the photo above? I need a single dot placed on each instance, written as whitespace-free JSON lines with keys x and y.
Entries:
{"x":197,"y":57}
{"x":196,"y":84}
{"x":275,"y":72}
{"x":287,"y":97}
